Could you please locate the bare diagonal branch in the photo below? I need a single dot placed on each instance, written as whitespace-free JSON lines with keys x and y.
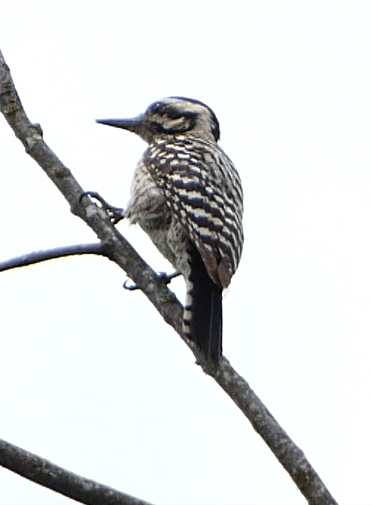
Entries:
{"x":120,"y":251}
{"x":59,"y":479}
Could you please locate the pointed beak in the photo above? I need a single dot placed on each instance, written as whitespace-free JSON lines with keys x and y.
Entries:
{"x":132,"y":125}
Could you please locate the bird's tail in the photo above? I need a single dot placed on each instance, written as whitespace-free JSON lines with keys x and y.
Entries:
{"x":203,"y":312}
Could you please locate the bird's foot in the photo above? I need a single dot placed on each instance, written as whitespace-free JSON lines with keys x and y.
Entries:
{"x":162,"y":277}
{"x":114,"y":213}
{"x":129,"y":286}
{"x":167,"y":278}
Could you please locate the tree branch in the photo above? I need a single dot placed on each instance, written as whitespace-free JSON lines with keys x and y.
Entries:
{"x":120,"y":251}
{"x":287,"y":452}
{"x":59,"y":479}
{"x":59,"y":252}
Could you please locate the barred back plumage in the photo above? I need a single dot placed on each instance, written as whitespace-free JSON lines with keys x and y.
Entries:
{"x":187,"y":196}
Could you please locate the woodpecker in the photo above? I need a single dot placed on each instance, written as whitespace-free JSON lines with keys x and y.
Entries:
{"x":187,"y":196}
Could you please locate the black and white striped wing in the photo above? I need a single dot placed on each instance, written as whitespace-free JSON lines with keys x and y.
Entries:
{"x":203,"y":189}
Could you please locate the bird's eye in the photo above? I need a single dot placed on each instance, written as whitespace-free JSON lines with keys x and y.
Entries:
{"x":156,"y":108}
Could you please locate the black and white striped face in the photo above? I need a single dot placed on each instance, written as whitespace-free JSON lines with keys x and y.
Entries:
{"x":171,"y":116}
{"x":174,"y":115}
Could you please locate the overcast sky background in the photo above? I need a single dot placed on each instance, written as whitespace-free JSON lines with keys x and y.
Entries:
{"x":91,"y":378}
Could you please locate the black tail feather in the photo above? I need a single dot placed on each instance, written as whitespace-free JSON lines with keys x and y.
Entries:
{"x":203,"y":316}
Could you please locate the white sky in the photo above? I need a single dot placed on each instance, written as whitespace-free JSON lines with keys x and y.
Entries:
{"x":90,"y":376}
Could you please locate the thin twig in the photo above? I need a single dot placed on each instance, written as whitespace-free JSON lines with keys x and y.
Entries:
{"x":59,"y":252}
{"x":289,"y":455}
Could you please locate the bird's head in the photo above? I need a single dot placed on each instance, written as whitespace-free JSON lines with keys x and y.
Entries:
{"x":171,"y":116}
